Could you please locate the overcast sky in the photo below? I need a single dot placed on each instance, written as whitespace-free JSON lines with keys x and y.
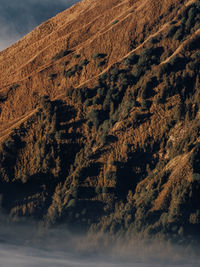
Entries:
{"x":18,"y":17}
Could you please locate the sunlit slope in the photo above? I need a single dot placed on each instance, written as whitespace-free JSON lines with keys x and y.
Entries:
{"x":108,"y":27}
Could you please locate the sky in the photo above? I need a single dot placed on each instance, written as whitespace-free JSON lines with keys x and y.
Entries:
{"x":18,"y":17}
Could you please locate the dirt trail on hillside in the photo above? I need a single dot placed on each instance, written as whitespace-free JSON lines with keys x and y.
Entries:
{"x":132,"y":51}
{"x":15,"y":124}
{"x":181,"y":46}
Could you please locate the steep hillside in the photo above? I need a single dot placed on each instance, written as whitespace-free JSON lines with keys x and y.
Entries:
{"x":99,"y":119}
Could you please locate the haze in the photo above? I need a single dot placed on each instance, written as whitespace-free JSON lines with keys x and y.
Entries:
{"x":21,"y":245}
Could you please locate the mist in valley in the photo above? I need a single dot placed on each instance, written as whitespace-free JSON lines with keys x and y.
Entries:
{"x":23,"y":245}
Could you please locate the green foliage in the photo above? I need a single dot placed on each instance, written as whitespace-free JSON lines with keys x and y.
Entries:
{"x":192,"y":65}
{"x":76,"y":68}
{"x":136,"y":117}
{"x":105,"y":126}
{"x":69,"y":91}
{"x":52,"y":76}
{"x":101,"y":63}
{"x":197,"y":26}
{"x":115,"y":22}
{"x":196,"y":177}
{"x":61,"y":54}
{"x":71,"y":72}
{"x":72,"y":203}
{"x":88,"y":102}
{"x":191,"y":17}
{"x":101,"y":92}
{"x":84,"y":62}
{"x":77,"y":56}
{"x":195,"y":158}
{"x":114,"y":74}
{"x":59,"y":135}
{"x":179,"y":34}
{"x":172,"y":31}
{"x":144,"y":103}
{"x":98,"y":190}
{"x":96,"y":56}
{"x":94,"y":117}
{"x":107,"y":101}
{"x":14,"y":86}
{"x":189,"y":23}
{"x":105,"y":190}
{"x":110,"y":176}
{"x":131,"y":60}
{"x":195,"y":56}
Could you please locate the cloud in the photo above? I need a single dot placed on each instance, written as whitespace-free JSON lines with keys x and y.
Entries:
{"x":18,"y":17}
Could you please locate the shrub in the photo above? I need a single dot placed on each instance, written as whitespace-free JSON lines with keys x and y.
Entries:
{"x":144,"y":103}
{"x":101,"y":91}
{"x":197,"y":4}
{"x":192,"y":12}
{"x":98,"y":190}
{"x":197,"y":26}
{"x":105,"y":190}
{"x":77,"y":55}
{"x":14,"y":86}
{"x":126,"y":62}
{"x":172,"y":31}
{"x":115,"y":117}
{"x":59,"y":135}
{"x":189,"y":23}
{"x":61,"y":54}
{"x":179,"y":34}
{"x":72,"y":203}
{"x":193,"y":65}
{"x":133,"y":58}
{"x":71,"y":72}
{"x":102,"y":79}
{"x":101,"y":63}
{"x":103,"y":139}
{"x":52,"y":76}
{"x":195,"y":56}
{"x":74,"y":191}
{"x":196,"y":177}
{"x":69,"y":91}
{"x":106,"y":126}
{"x":154,"y":40}
{"x":138,"y":71}
{"x":88,"y":102}
{"x":110,"y":175}
{"x":84,"y":62}
{"x":128,"y":105}
{"x":93,"y":116}
{"x":164,"y":68}
{"x":106,"y":103}
{"x":98,"y":56}
{"x":115,"y":22}
{"x":115,"y":71}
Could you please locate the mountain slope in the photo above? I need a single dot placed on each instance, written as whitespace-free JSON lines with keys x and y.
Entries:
{"x":99,"y":111}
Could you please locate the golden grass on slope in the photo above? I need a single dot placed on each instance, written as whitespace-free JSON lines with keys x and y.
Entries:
{"x":86,"y":27}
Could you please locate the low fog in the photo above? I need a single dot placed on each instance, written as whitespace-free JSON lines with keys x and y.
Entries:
{"x":24,"y":245}
{"x":18,"y":17}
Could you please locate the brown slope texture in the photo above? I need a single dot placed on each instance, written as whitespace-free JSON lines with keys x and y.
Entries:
{"x":99,"y":119}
